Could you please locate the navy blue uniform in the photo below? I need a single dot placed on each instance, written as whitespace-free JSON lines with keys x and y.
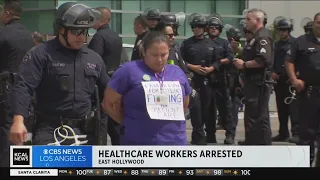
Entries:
{"x":15,"y":41}
{"x":135,"y":52}
{"x":282,"y":91}
{"x":63,"y":80}
{"x":255,"y":89}
{"x":305,"y":55}
{"x":202,"y":105}
{"x":108,"y":44}
{"x":223,"y":100}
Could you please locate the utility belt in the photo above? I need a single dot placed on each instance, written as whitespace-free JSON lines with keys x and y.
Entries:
{"x":86,"y":123}
{"x":263,"y":78}
{"x":312,"y":90}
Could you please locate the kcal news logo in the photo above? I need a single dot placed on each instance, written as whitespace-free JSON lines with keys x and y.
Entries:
{"x":21,"y":156}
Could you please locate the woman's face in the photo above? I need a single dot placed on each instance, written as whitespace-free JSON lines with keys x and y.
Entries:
{"x":169,"y":32}
{"x":156,"y":56}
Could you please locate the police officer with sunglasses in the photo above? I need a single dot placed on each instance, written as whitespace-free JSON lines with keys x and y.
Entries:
{"x":63,"y":73}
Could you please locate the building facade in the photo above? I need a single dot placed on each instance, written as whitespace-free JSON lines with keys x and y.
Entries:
{"x":39,"y":14}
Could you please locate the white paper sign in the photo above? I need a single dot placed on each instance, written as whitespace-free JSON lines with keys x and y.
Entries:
{"x":164,"y":103}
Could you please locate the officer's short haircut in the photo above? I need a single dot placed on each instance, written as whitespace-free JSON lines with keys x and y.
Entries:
{"x":141,"y":20}
{"x":105,"y":13}
{"x":258,"y":13}
{"x":13,"y":6}
{"x":316,"y":16}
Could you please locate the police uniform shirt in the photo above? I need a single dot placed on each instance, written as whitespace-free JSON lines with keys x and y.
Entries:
{"x":136,"y":51}
{"x":15,"y":42}
{"x":260,"y":49}
{"x":305,"y":54}
{"x":224,"y":48}
{"x":108,"y":45}
{"x":193,"y":51}
{"x":281,"y":49}
{"x":64,"y":80}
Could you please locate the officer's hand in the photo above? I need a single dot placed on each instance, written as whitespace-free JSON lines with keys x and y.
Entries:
{"x":208,"y":69}
{"x":198,"y":69}
{"x":18,"y":133}
{"x":238,"y":63}
{"x":298,"y":84}
{"x":275,"y":76}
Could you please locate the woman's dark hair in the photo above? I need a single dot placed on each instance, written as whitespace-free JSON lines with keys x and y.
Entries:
{"x":154,"y":37}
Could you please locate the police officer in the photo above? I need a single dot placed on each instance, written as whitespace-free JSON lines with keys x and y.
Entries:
{"x":304,"y":55}
{"x":15,"y":41}
{"x":256,"y":64}
{"x":167,"y":25}
{"x":285,"y":108}
{"x":234,"y":35}
{"x":140,"y":28}
{"x":199,"y":54}
{"x":308,"y":27}
{"x":222,"y":86}
{"x":108,"y":44}
{"x":153,"y":17}
{"x":63,"y":73}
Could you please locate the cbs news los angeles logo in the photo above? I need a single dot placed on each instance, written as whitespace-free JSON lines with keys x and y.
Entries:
{"x":20,"y":156}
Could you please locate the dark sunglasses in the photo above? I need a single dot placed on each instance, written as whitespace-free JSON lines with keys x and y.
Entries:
{"x":170,"y":35}
{"x":78,"y":32}
{"x":197,"y":26}
{"x":283,"y":30}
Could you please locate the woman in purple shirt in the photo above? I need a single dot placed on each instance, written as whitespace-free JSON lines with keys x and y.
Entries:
{"x":148,"y":97}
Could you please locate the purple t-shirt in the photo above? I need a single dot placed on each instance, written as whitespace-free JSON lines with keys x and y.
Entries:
{"x":139,"y":128}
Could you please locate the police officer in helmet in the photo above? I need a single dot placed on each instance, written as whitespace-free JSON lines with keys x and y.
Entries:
{"x":199,"y":54}
{"x":282,"y":89}
{"x":171,"y":20}
{"x":304,"y":55}
{"x":234,"y":36}
{"x":256,"y":63}
{"x":63,"y":73}
{"x":308,"y":27}
{"x":153,"y":17}
{"x":225,"y":55}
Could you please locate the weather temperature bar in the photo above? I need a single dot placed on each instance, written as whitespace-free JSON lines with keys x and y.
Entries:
{"x":154,"y":172}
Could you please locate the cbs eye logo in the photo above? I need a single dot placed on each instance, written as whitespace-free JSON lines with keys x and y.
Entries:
{"x":21,"y":156}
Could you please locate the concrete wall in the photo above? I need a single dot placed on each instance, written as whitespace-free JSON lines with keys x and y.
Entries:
{"x":296,"y":10}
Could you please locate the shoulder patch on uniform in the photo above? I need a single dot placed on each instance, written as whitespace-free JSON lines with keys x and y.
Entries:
{"x":263,"y":50}
{"x":263,"y":42}
{"x":289,"y":52}
{"x":26,"y":57}
{"x":251,"y":42}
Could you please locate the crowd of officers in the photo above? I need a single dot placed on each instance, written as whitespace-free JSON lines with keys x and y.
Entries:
{"x":221,"y":72}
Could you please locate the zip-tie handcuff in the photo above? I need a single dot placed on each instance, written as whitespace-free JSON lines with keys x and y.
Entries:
{"x":66,"y":129}
{"x":288,"y":100}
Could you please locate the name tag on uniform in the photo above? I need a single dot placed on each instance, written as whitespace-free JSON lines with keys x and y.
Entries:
{"x":165,"y":103}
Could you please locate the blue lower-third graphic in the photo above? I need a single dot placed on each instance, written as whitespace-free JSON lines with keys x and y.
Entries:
{"x":62,"y":156}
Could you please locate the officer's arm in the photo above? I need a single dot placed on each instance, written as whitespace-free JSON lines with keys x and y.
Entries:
{"x":28,"y":79}
{"x":263,"y":54}
{"x":228,"y":53}
{"x":215,"y":60}
{"x":182,"y":51}
{"x":290,"y":61}
{"x":97,"y":44}
{"x":103,"y":79}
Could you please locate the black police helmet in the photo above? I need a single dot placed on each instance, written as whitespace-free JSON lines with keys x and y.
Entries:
{"x":168,"y":19}
{"x":74,"y":15}
{"x":198,"y":20}
{"x":284,"y":24}
{"x":308,"y":27}
{"x":152,"y":13}
{"x":215,"y":22}
{"x":234,"y":33}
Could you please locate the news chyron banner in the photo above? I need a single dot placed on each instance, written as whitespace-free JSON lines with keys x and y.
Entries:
{"x":158,"y":156}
